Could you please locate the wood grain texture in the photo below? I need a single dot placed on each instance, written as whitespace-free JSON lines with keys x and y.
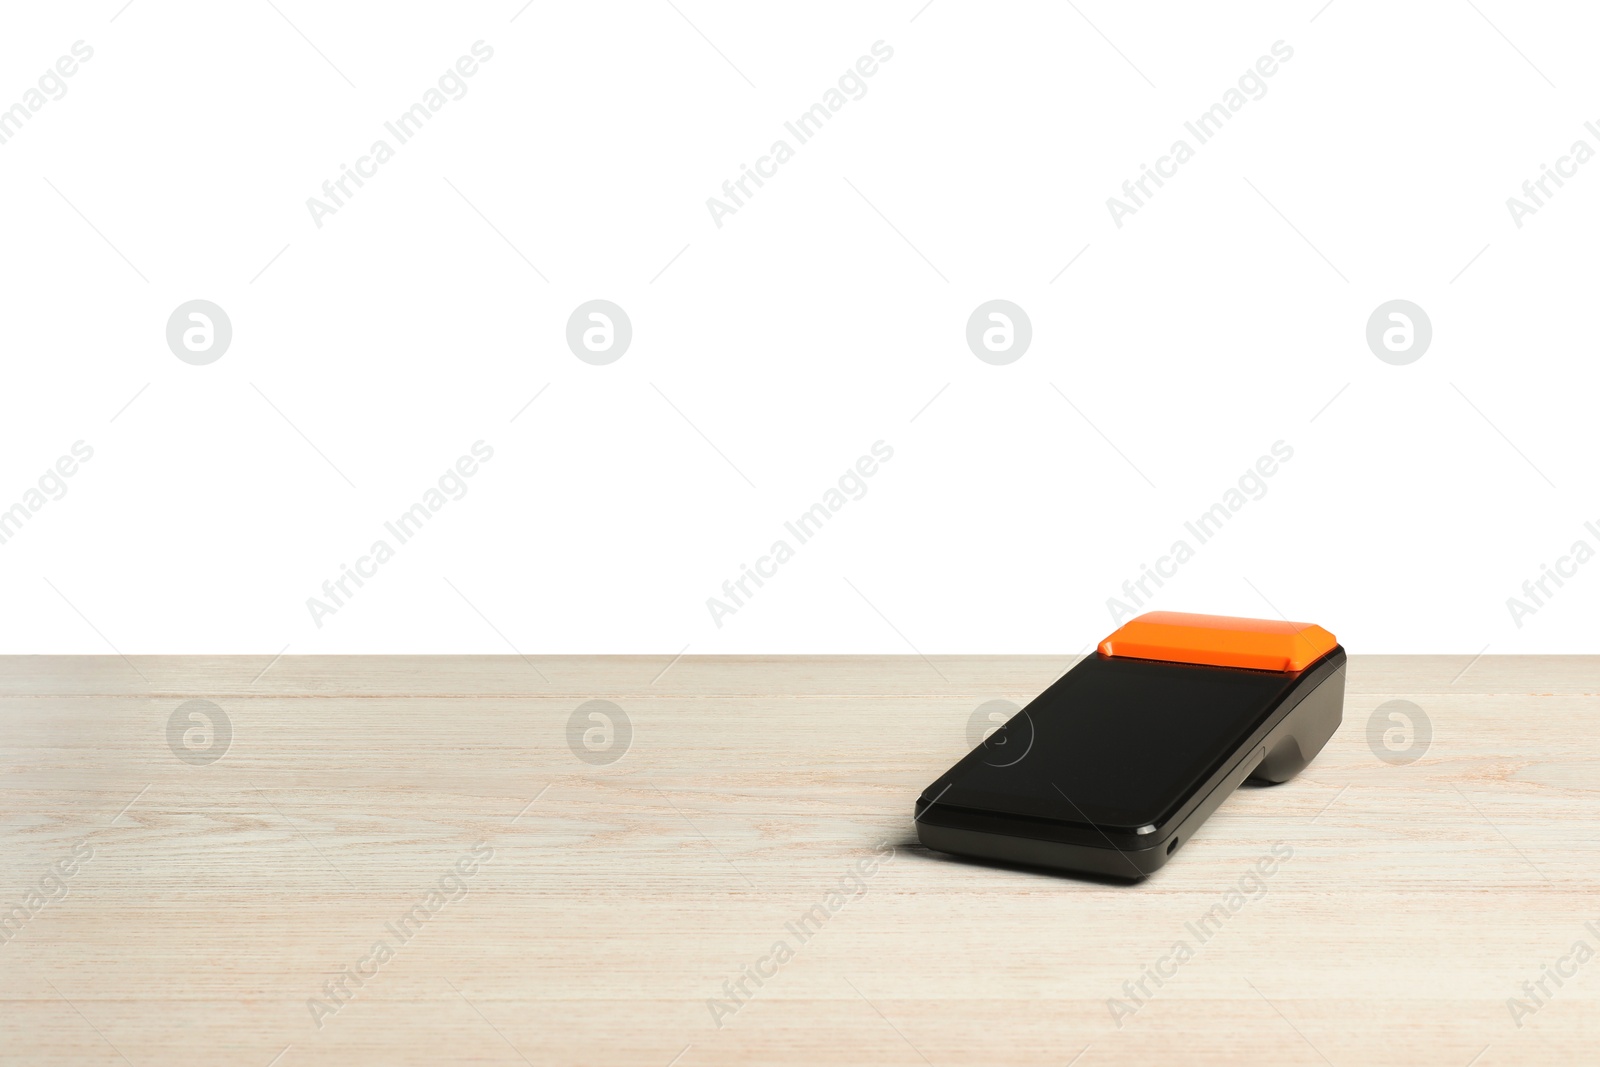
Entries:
{"x":221,"y":897}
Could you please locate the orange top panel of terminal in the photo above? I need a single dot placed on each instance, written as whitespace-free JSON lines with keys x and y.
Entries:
{"x":1220,"y":641}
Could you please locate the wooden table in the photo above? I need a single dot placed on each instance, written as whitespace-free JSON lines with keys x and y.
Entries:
{"x":537,"y":907}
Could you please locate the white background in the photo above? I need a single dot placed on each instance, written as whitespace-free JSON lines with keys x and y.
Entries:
{"x":824,"y":316}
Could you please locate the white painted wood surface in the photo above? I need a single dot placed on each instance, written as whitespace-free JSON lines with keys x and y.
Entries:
{"x":219,"y":898}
